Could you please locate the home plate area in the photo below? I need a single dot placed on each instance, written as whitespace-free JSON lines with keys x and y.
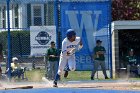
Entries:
{"x":102,"y":84}
{"x":96,"y":86}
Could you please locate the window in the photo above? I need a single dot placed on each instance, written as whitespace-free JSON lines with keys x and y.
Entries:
{"x":3,"y":17}
{"x":37,"y":14}
{"x":15,"y":16}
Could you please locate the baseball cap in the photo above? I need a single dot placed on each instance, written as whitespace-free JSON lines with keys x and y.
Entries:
{"x":98,"y":41}
{"x":52,"y":42}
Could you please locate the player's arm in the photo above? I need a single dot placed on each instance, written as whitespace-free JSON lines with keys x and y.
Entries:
{"x":71,"y":52}
{"x":64,"y":48}
{"x":78,"y":47}
{"x":80,"y":44}
{"x":57,"y":53}
{"x":94,"y":53}
{"x":102,"y":52}
{"x":47,"y":54}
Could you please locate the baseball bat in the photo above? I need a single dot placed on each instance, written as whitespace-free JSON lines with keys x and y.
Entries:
{"x":22,"y":87}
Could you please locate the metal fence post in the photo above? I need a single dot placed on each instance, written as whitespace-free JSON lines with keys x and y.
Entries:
{"x":9,"y":40}
{"x":110,"y":37}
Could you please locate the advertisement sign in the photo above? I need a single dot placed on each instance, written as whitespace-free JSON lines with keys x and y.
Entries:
{"x":40,"y":38}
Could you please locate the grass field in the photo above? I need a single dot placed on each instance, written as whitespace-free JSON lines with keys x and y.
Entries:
{"x":37,"y":74}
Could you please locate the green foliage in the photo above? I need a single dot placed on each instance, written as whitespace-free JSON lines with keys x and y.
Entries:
{"x":125,"y":10}
{"x":20,"y":42}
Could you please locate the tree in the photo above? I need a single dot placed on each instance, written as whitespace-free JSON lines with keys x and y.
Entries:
{"x":126,"y":10}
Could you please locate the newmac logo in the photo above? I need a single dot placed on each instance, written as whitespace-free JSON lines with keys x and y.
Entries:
{"x":43,"y":38}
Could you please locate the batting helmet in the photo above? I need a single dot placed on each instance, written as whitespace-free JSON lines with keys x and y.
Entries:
{"x":70,"y":33}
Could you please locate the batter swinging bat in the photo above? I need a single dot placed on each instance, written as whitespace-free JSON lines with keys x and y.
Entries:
{"x":22,"y":87}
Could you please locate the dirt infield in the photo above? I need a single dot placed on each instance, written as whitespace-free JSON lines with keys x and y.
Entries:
{"x":110,"y":85}
{"x":103,"y":84}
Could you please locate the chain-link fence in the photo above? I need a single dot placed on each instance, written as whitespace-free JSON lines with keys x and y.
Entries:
{"x":23,"y":14}
{"x":64,"y":14}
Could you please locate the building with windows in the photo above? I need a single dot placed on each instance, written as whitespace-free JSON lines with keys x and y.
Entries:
{"x":26,"y":13}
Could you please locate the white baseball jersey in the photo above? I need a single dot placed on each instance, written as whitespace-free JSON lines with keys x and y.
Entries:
{"x":67,"y":45}
{"x":64,"y":59}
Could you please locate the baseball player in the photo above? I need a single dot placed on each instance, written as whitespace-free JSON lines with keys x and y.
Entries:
{"x":99,"y":59}
{"x":69,"y":46}
{"x":52,"y":54}
{"x":132,"y":63}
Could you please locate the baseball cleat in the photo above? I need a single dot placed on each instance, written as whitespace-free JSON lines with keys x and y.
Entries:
{"x":55,"y":84}
{"x":92,"y":78}
{"x":106,"y":78}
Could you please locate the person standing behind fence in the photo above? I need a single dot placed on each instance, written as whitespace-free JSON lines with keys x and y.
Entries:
{"x":52,"y":55}
{"x":99,"y":59}
{"x":1,"y":58}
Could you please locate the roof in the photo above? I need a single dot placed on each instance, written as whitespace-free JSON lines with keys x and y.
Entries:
{"x":127,"y":24}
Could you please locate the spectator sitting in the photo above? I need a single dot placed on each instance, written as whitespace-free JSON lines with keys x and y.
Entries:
{"x":132,"y":63}
{"x":17,"y":70}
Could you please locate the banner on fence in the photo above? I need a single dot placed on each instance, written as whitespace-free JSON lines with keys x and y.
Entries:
{"x":91,"y":21}
{"x":40,"y":38}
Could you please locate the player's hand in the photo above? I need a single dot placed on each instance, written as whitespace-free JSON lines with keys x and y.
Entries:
{"x":101,"y":52}
{"x":68,"y":54}
{"x":71,"y":52}
{"x":97,"y":53}
{"x":80,"y":46}
{"x":52,"y":55}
